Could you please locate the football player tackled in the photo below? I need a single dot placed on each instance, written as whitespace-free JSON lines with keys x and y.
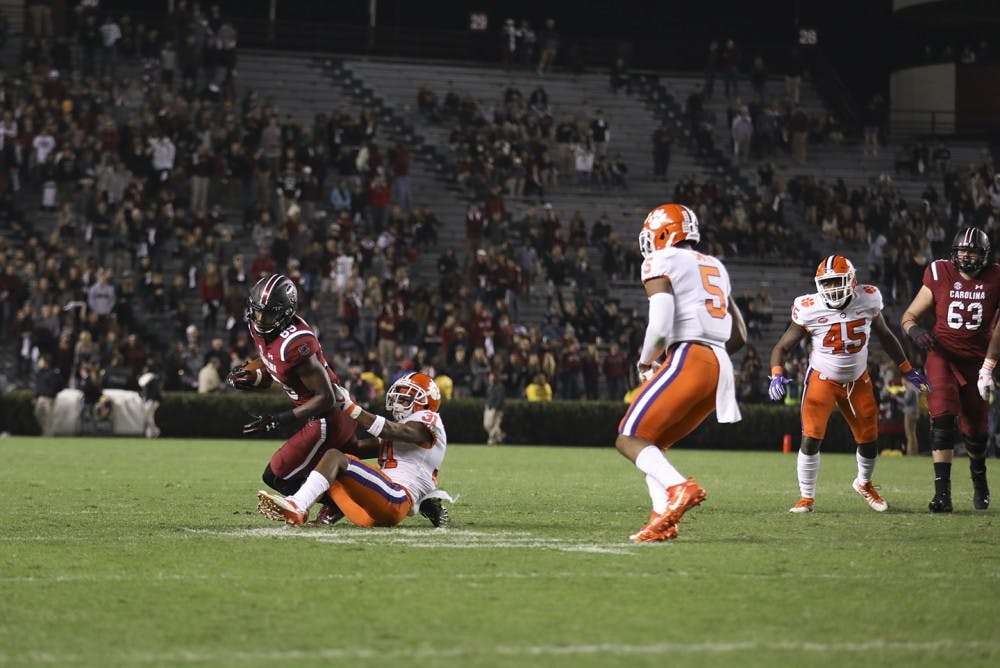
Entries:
{"x":292,"y":355}
{"x":410,"y":451}
{"x":962,"y":351}
{"x":692,"y":318}
{"x":839,"y":318}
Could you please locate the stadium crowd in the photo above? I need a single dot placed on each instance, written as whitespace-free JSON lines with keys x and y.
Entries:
{"x":163,"y":194}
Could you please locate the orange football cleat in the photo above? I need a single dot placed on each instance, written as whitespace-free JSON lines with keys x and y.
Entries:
{"x":867,"y":490}
{"x":681,"y":498}
{"x":649,"y":535}
{"x":805,"y":505}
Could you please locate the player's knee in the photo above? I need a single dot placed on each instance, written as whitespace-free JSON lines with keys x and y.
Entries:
{"x":976,"y":446}
{"x":331,"y":464}
{"x":810,"y":445}
{"x":868,"y":450}
{"x":943,"y":430}
{"x":272,"y":480}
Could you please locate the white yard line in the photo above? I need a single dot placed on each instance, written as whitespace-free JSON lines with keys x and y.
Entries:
{"x":458,"y":652}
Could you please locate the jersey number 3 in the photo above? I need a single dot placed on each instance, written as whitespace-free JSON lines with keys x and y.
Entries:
{"x":716,"y":305}
{"x":846,"y":337}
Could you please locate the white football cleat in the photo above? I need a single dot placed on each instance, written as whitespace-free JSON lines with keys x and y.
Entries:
{"x":280,"y":509}
{"x":867,"y":490}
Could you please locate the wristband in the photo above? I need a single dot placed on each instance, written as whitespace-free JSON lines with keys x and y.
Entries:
{"x":906,"y":367}
{"x":354,"y":411}
{"x":777,"y":371}
{"x":377,"y":425}
{"x":989,"y":363}
{"x":285,"y":417}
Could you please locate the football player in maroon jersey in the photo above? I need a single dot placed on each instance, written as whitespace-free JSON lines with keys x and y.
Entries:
{"x":962,"y":349}
{"x":292,"y":355}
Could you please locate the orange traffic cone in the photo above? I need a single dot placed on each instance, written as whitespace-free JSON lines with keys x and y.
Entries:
{"x":786,"y":444}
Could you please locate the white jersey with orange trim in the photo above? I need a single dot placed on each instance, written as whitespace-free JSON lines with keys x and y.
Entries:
{"x":415,"y":465}
{"x":839,"y":336}
{"x":701,"y":289}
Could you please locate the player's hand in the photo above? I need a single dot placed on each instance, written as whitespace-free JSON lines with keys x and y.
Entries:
{"x":261,"y":423}
{"x":776,"y":390}
{"x":922,"y":337}
{"x":646,"y":371}
{"x":241,"y":379}
{"x":985,"y":383}
{"x":919,"y":380}
{"x":341,"y":397}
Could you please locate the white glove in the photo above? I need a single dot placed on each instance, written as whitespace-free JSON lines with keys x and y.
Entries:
{"x":341,"y":398}
{"x":985,"y":383}
{"x":646,"y":374}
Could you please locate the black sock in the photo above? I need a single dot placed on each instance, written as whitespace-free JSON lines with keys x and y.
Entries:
{"x":942,"y":478}
{"x":977,"y":466}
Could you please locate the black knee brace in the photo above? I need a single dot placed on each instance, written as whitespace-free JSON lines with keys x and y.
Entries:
{"x":868,"y":450}
{"x":975,"y":446}
{"x":943,"y":432}
{"x":286,"y":487}
{"x":810,"y":446}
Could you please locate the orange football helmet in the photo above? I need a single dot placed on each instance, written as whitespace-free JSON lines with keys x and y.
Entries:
{"x":411,"y":393}
{"x":666,"y":226}
{"x":836,"y":280}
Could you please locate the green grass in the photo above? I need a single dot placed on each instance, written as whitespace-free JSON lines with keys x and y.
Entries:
{"x":132,"y":552}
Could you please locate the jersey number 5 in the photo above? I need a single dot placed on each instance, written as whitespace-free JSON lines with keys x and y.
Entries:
{"x":716,"y":305}
{"x":845,"y":337}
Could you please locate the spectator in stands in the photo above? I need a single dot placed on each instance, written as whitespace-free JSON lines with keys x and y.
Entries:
{"x":493,"y":408}
{"x":549,"y":40}
{"x":712,"y":64}
{"x":48,"y":383}
{"x":730,"y":59}
{"x":209,"y":379}
{"x":799,"y":126}
{"x":663,"y":140}
{"x":539,"y":389}
{"x":620,"y":77}
{"x":508,"y":44}
{"x":758,"y":78}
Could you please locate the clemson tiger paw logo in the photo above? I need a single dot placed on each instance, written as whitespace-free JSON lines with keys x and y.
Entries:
{"x":870,"y":289}
{"x":808,"y":301}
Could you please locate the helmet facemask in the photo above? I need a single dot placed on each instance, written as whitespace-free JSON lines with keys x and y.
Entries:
{"x":970,"y":251}
{"x":836,"y":290}
{"x":409,"y":395}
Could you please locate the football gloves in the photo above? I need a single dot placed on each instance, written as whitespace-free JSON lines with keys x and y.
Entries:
{"x":919,"y":380}
{"x":261,"y":423}
{"x":776,"y":390}
{"x":923,"y":338}
{"x":985,"y":383}
{"x":241,"y":379}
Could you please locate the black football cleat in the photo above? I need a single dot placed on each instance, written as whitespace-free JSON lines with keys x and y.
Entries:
{"x":941,"y":503}
{"x":980,"y":491}
{"x":435,"y":512}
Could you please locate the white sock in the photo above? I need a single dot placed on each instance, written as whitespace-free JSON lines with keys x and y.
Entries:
{"x":657,"y":494}
{"x":315,"y":486}
{"x":652,"y":462}
{"x":808,"y":470}
{"x":866,"y":467}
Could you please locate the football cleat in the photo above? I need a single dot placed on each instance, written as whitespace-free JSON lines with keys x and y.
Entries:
{"x":435,"y":512}
{"x":867,"y":490}
{"x":280,"y":509}
{"x":980,"y":491}
{"x":681,"y":498}
{"x":805,"y":505}
{"x":941,"y":503}
{"x":327,"y":516}
{"x":649,"y":535}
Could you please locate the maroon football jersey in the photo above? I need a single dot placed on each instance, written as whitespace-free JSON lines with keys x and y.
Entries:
{"x":966,"y":309}
{"x":292,"y":346}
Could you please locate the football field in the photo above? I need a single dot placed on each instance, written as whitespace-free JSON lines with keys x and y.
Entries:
{"x":127,"y":552}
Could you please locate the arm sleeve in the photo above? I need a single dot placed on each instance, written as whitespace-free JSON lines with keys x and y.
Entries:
{"x":661,"y":320}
